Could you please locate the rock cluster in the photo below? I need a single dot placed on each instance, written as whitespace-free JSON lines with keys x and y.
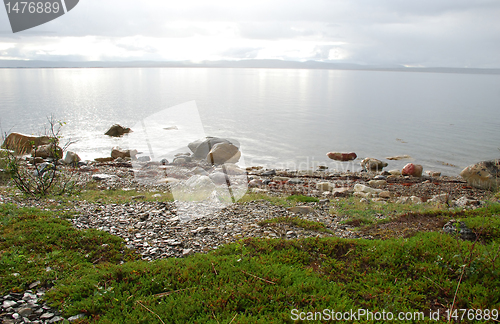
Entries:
{"x":155,"y":230}
{"x":28,"y":307}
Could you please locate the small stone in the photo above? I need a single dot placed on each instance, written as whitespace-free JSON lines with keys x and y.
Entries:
{"x":385,"y":194}
{"x":74,"y":318}
{"x":34,"y":284}
{"x":56,"y":319}
{"x":47,"y":316}
{"x":186,"y":252}
{"x":398,"y":157}
{"x":433,"y":173}
{"x":269,"y":173}
{"x":377,"y":183}
{"x":324,"y":186}
{"x":25,"y":311}
{"x":295,"y":181}
{"x":301,"y":209}
{"x":416,"y":200}
{"x":9,"y":303}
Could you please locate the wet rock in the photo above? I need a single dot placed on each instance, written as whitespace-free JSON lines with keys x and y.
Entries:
{"x":414,"y":170}
{"x":224,"y":153}
{"x":483,"y":175}
{"x":117,"y":131}
{"x":342,"y":156}
{"x":372,"y":164}
{"x":202,"y":147}
{"x":117,"y":152}
{"x":398,"y":157}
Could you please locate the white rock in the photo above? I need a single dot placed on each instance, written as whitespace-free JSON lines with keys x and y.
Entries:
{"x":362,"y":188}
{"x":71,"y":157}
{"x":415,"y":199}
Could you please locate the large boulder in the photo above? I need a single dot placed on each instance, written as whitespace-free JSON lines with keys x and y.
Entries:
{"x":483,"y":175}
{"x":373,"y":164}
{"x":223,"y":153}
{"x":414,"y":170}
{"x":117,"y":152}
{"x":117,"y":131}
{"x":22,"y":144}
{"x":341,"y":156}
{"x":202,"y":147}
{"x":47,"y":151}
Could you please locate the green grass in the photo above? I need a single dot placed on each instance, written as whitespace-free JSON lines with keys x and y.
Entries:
{"x":297,"y":221}
{"x":362,"y":213}
{"x":118,"y":196}
{"x":41,"y":247}
{"x":252,"y":281}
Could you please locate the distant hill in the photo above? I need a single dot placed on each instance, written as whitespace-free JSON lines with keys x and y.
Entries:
{"x":268,"y":64}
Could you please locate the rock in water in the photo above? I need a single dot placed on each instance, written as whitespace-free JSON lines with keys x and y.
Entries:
{"x":341,"y":156}
{"x":117,"y":152}
{"x":373,"y":164}
{"x":117,"y":131}
{"x":411,"y":169}
{"x":202,"y":147}
{"x":223,"y":153}
{"x":483,"y":175}
{"x":398,"y":157}
{"x":22,"y":144}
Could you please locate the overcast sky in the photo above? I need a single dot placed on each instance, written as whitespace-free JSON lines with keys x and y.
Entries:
{"x":430,"y":33}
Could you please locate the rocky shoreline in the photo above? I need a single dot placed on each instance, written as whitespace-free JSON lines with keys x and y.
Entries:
{"x":155,"y":230}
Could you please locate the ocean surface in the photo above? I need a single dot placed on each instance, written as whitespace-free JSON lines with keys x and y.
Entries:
{"x":283,"y":118}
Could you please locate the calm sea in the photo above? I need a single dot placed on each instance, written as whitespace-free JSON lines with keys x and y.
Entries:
{"x":282,"y":117}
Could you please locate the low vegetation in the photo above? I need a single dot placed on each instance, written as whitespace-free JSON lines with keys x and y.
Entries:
{"x":254,"y":280}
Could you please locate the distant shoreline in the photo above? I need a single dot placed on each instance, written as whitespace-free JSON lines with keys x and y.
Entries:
{"x":245,"y":64}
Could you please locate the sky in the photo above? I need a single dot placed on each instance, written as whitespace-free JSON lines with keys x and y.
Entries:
{"x":424,"y":33}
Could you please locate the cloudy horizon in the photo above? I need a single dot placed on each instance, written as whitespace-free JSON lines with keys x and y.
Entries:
{"x":450,"y":33}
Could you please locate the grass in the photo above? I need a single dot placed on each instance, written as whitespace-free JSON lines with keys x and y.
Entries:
{"x":299,"y":222}
{"x":362,"y":213}
{"x":253,"y":280}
